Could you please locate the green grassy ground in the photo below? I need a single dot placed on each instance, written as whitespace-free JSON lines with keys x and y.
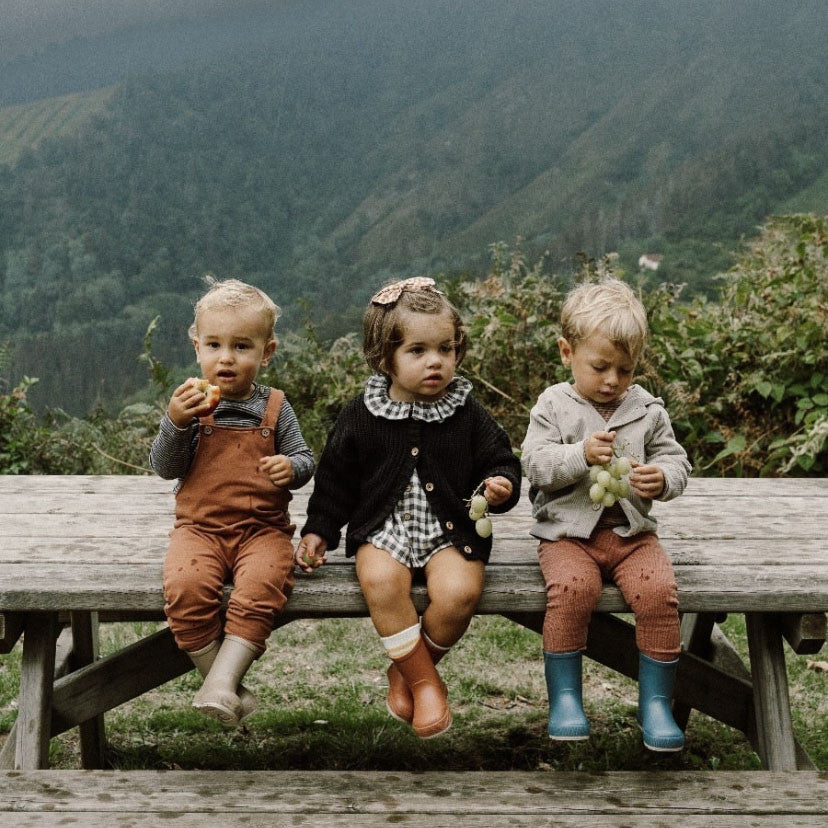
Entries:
{"x":321,"y":689}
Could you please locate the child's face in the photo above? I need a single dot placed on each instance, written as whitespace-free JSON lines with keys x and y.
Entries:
{"x":424,"y":362}
{"x":602,"y":371}
{"x":231,"y":346}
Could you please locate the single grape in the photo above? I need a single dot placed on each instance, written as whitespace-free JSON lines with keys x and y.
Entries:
{"x":596,"y":492}
{"x":623,"y":488}
{"x":483,"y":527}
{"x":478,"y":506}
{"x":593,"y":472}
{"x":614,"y":486}
{"x":603,"y":478}
{"x":479,"y":503}
{"x":624,"y":465}
{"x":608,"y":500}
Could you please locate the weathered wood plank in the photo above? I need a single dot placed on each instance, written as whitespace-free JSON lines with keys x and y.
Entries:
{"x":334,"y":589}
{"x":770,"y":692}
{"x":11,"y":628}
{"x":36,"y":677}
{"x":718,"y":519}
{"x":63,"y":653}
{"x":109,"y":682}
{"x":114,"y":484}
{"x":86,"y":650}
{"x":315,"y":795}
{"x":805,"y":633}
{"x":150,"y":548}
{"x":349,"y":820}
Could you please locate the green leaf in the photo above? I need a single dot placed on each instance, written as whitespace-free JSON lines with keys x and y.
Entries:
{"x":764,"y":388}
{"x":736,"y":444}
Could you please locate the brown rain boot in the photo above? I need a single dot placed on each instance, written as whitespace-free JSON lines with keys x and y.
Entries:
{"x":400,"y":703}
{"x":203,"y":660}
{"x":431,"y":715}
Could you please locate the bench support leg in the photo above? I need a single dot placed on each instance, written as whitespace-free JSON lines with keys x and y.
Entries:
{"x":696,"y":629}
{"x":770,"y":692}
{"x":85,"y":651}
{"x":37,"y":672}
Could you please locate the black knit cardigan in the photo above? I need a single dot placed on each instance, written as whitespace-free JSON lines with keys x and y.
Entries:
{"x":368,"y":461}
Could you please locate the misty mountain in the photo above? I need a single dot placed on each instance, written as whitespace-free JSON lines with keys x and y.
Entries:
{"x":318,"y":149}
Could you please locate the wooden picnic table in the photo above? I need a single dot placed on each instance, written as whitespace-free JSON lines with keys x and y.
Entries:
{"x":78,"y":550}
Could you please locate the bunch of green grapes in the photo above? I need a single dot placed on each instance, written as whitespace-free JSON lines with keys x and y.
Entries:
{"x":479,"y":513}
{"x":610,"y":481}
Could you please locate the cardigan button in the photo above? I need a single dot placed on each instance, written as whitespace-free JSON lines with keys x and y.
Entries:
{"x":415,"y":451}
{"x":467,"y":550}
{"x":208,"y":429}
{"x":449,"y":525}
{"x":429,"y":487}
{"x":265,"y":432}
{"x":407,"y":516}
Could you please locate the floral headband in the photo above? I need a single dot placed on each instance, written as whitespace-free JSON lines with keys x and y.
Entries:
{"x":390,"y":294}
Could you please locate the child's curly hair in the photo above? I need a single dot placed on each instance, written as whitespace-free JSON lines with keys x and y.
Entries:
{"x":384,"y":326}
{"x":608,"y":307}
{"x":233,"y":293}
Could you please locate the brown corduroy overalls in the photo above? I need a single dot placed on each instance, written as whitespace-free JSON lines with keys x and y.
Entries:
{"x":231,"y":522}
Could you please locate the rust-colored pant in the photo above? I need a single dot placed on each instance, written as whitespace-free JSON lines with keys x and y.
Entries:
{"x":198,"y":563}
{"x":574,"y":569}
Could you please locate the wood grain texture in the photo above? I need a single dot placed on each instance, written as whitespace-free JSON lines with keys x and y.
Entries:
{"x":98,"y":542}
{"x":146,"y":798}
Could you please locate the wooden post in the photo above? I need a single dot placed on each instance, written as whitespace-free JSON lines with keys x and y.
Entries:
{"x":696,"y":629}
{"x":770,"y":691}
{"x":85,"y":651}
{"x":37,"y":672}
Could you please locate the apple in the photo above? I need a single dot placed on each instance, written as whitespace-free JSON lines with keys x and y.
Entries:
{"x":211,"y":392}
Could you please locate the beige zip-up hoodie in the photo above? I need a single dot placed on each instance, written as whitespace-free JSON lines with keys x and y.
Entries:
{"x":554,"y":462}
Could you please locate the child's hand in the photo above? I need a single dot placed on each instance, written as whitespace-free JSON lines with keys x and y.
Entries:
{"x":278,"y":468}
{"x":310,"y":553}
{"x":498,"y":490}
{"x":646,"y":481}
{"x":187,"y":402}
{"x":598,"y":448}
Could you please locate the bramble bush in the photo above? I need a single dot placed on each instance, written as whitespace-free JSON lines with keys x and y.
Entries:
{"x":744,"y":377}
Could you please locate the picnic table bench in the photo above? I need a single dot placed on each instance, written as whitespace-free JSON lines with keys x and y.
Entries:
{"x":79,"y":550}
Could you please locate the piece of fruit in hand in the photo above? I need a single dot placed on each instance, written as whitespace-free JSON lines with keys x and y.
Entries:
{"x":212,"y":392}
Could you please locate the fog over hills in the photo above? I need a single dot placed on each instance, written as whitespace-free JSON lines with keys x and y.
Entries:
{"x":320,"y":148}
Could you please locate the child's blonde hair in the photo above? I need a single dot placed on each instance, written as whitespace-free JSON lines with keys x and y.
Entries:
{"x":383,"y":324}
{"x":608,"y":307}
{"x":232,"y":293}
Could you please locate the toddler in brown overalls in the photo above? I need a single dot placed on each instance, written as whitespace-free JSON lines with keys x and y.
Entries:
{"x":236,"y":466}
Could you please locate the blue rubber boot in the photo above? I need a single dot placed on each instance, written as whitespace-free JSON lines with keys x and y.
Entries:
{"x":655,"y":692}
{"x":567,"y":721}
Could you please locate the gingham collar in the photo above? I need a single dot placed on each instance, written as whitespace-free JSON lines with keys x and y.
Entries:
{"x":380,"y":404}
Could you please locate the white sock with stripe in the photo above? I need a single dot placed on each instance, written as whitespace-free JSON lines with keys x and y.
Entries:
{"x":401,"y":643}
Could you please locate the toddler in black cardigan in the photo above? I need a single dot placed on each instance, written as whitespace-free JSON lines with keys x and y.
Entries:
{"x":399,"y":468}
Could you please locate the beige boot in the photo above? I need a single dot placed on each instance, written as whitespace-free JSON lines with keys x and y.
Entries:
{"x":203,"y":660}
{"x":217,"y":696}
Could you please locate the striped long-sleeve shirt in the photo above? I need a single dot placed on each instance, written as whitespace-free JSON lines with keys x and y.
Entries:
{"x":173,"y":449}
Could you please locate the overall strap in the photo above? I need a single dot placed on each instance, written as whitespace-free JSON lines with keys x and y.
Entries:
{"x":274,"y":408}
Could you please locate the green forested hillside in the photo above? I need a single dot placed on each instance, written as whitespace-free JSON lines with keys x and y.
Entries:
{"x":25,"y":126}
{"x":348,"y":142}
